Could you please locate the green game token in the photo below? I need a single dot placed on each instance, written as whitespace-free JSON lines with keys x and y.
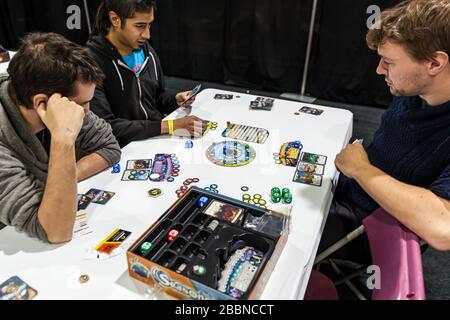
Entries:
{"x":276,"y":190}
{"x":146,"y":247}
{"x":276,"y":198}
{"x":287,"y":199}
{"x":285,"y":192}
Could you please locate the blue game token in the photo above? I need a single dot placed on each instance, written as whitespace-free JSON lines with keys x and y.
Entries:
{"x":189,"y":144}
{"x":202,"y":201}
{"x":170,"y":179}
{"x":116,"y":168}
{"x":176,"y":166}
{"x":214,"y":186}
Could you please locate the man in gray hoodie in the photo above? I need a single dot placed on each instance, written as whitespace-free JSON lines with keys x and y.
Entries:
{"x":49,"y":140}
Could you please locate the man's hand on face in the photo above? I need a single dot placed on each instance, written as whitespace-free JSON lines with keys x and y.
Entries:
{"x":352,"y":160}
{"x":190,"y":126}
{"x":183,"y":99}
{"x":62,"y":117}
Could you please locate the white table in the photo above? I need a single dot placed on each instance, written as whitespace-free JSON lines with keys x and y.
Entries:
{"x":4,"y":65}
{"x":54,"y":269}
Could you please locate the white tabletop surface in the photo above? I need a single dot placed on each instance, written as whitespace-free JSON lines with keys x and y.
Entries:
{"x":54,"y":270}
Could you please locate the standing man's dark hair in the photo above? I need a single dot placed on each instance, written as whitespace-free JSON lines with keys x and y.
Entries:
{"x":123,"y":8}
{"x":47,"y":63}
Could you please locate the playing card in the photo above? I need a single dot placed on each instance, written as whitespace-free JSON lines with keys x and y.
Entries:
{"x":16,"y":289}
{"x":103,"y":197}
{"x":83,"y":202}
{"x":224,"y":211}
{"x":313,"y":111}
{"x":308,"y":178}
{"x":313,"y":158}
{"x":223,"y":96}
{"x":136,"y":175}
{"x":93,"y":193}
{"x":81,"y":226}
{"x":113,"y":241}
{"x":139,"y":164}
{"x":311,"y":168}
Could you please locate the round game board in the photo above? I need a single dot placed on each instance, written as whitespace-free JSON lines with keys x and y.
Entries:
{"x":230,"y":153}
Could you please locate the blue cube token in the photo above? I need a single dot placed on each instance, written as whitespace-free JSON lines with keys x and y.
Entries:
{"x":202,"y":202}
{"x":116,"y":168}
{"x":189,"y":144}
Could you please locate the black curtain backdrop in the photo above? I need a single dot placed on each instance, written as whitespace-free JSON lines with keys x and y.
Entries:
{"x":18,"y":17}
{"x":249,"y":43}
{"x":342,"y":66}
{"x":259,"y":44}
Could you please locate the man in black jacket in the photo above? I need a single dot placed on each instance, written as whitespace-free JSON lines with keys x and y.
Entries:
{"x":133,"y":97}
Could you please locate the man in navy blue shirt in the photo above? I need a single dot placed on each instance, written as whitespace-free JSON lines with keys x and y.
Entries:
{"x":406,"y":169}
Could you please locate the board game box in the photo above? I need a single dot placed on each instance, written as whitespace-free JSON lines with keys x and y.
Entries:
{"x":209,"y":246}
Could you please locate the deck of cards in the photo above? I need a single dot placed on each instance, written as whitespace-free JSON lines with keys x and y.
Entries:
{"x":262,"y":104}
{"x":312,"y":111}
{"x":310,"y":169}
{"x":221,"y":96}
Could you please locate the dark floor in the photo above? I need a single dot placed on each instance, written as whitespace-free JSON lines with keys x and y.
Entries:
{"x":366,"y":120}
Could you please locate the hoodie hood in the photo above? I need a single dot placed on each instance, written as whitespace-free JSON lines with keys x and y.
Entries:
{"x":101,"y":46}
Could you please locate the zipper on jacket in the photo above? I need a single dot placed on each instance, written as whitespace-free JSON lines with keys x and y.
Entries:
{"x":138,"y":81}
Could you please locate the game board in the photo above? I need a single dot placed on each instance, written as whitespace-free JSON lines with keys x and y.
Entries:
{"x":230,"y":153}
{"x":245,"y":133}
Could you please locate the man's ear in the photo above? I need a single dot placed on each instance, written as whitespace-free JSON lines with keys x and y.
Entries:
{"x":39,"y":99}
{"x":438,"y":62}
{"x":115,"y":20}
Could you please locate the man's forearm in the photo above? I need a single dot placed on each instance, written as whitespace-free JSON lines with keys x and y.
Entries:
{"x":90,"y":165}
{"x":59,"y":203}
{"x":417,"y":208}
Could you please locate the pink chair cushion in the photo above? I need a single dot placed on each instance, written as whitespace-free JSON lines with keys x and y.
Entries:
{"x":396,"y":251}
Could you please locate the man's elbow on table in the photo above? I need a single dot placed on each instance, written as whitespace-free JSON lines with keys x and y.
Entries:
{"x":56,"y":231}
{"x":58,"y":238}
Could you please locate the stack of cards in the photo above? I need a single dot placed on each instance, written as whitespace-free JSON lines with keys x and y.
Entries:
{"x":221,"y":96}
{"x":310,"y":169}
{"x":262,"y":104}
{"x":313,"y":111}
{"x":16,"y":289}
{"x":94,"y":196}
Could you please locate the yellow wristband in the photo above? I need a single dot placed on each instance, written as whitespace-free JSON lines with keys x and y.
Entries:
{"x":170,"y":123}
